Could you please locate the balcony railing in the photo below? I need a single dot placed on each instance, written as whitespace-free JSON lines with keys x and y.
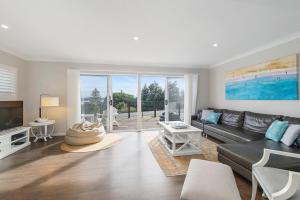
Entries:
{"x":127,"y":110}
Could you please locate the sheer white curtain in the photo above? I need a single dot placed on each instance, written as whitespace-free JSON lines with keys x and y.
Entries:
{"x":190,"y":96}
{"x":73,"y":97}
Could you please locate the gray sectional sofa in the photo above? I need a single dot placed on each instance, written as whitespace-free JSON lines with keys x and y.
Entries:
{"x":243,"y":139}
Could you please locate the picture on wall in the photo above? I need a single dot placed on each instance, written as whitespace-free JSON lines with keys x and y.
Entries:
{"x":273,"y":80}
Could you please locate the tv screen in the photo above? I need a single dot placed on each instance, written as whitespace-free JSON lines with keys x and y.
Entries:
{"x":11,"y":114}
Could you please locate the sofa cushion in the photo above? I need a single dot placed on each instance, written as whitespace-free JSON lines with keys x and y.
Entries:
{"x":257,"y":122}
{"x":213,"y":117}
{"x":199,"y":113}
{"x":291,"y":134}
{"x":247,"y":154}
{"x":197,"y":124}
{"x":233,"y":133}
{"x":232,"y":118}
{"x":291,"y":120}
{"x":205,"y":114}
{"x":276,"y":130}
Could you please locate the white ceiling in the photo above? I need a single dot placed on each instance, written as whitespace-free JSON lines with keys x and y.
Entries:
{"x":172,"y":32}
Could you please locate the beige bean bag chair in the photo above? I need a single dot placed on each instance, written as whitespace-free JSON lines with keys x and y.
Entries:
{"x":85,"y":133}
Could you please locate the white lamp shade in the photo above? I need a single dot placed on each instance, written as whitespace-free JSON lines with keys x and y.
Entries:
{"x":48,"y":101}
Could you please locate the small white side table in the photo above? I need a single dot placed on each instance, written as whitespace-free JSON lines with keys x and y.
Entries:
{"x":42,"y":128}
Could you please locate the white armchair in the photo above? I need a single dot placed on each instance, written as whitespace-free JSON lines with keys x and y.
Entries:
{"x":277,"y":184}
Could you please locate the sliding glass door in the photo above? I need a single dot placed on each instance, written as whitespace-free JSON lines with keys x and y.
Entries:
{"x":93,"y":90}
{"x":131,"y":102}
{"x":124,"y":100}
{"x":152,"y":97}
{"x":174,"y":99}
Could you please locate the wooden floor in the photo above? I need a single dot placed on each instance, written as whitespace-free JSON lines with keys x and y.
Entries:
{"x":127,"y":171}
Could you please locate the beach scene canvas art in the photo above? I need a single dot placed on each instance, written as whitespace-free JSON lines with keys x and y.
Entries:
{"x":272,"y":80}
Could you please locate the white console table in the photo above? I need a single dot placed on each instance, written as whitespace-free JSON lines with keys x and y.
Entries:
{"x":12,"y":140}
{"x":42,"y":128}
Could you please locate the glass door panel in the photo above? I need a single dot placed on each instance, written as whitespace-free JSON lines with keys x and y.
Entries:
{"x":152,"y":97}
{"x":175,"y":99}
{"x":93,"y":92}
{"x":124,"y":108}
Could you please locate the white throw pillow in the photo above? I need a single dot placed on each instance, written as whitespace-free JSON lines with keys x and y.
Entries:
{"x":291,"y":134}
{"x":205,"y":114}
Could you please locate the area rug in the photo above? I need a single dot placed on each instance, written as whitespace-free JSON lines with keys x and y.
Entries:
{"x":174,"y":166}
{"x":108,"y":141}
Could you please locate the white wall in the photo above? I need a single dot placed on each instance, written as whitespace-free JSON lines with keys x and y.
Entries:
{"x":35,"y":78}
{"x":217,"y":83}
{"x":46,"y":79}
{"x":13,"y":61}
{"x":203,"y":89}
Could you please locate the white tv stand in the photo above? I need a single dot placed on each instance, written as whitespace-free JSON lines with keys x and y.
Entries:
{"x":12,"y":140}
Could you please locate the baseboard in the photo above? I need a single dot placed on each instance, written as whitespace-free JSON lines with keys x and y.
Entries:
{"x":59,"y":134}
{"x":54,"y":134}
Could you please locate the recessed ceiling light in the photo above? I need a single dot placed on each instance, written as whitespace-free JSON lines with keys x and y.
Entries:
{"x":136,"y":38}
{"x":215,"y":45}
{"x":4,"y":26}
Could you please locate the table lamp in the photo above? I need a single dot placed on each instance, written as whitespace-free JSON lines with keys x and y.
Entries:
{"x":47,"y":101}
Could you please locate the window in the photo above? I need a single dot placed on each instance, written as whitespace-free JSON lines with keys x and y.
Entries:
{"x":8,"y":80}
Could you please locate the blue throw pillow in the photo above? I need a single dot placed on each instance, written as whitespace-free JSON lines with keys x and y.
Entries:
{"x":276,"y":130}
{"x":213,"y":117}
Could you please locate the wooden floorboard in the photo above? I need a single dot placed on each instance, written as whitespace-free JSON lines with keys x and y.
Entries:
{"x":128,"y":170}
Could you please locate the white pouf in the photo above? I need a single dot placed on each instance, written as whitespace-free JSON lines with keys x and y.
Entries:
{"x":207,"y":180}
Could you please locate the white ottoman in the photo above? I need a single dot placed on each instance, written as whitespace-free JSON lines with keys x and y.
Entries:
{"x":207,"y":180}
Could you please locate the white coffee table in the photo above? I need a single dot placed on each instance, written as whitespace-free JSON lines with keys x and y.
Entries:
{"x":180,"y":142}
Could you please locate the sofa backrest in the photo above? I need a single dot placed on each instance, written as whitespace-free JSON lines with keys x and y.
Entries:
{"x":291,"y":120}
{"x":257,"y":122}
{"x":216,"y":110}
{"x":199,"y":113}
{"x":232,"y":118}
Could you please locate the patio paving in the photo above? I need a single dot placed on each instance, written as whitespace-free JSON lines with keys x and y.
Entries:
{"x":148,"y":122}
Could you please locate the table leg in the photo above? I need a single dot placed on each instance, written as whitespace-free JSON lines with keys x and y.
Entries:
{"x":45,"y":133}
{"x":173,"y":143}
{"x":32,"y":132}
{"x":52,"y":131}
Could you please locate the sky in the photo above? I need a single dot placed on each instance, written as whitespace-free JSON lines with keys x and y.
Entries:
{"x":89,"y":82}
{"x":126,"y":83}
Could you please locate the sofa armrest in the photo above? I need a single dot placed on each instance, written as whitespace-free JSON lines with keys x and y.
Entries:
{"x":266,"y":156}
{"x":194,"y":117}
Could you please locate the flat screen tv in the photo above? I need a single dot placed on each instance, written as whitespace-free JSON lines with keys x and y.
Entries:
{"x":11,"y":114}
